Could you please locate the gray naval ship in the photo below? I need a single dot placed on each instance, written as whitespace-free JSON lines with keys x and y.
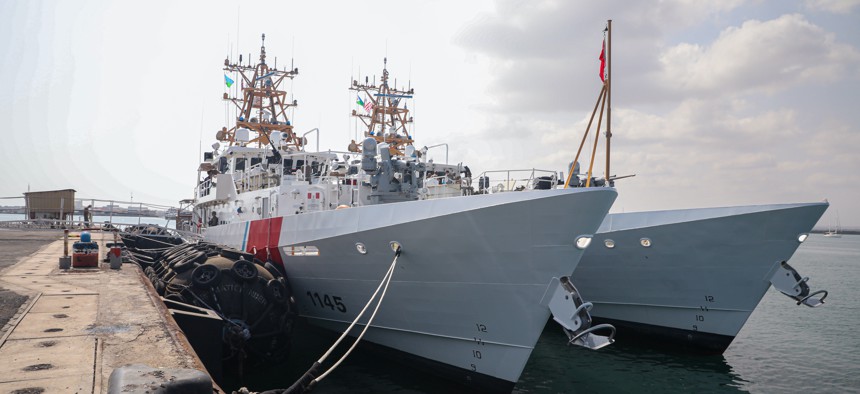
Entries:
{"x":458,"y":280}
{"x":688,"y":277}
{"x":692,"y":277}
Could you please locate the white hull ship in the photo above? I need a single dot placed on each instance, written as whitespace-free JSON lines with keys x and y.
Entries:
{"x":834,"y":231}
{"x":475,"y":274}
{"x":693,"y":277}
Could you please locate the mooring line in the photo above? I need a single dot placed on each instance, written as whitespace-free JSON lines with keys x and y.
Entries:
{"x":307,"y":381}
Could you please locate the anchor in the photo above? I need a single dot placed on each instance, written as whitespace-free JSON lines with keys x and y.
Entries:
{"x":789,"y":282}
{"x":572,"y":313}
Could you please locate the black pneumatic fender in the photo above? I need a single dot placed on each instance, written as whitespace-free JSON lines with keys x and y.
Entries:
{"x":206,"y":276}
{"x":246,"y":292}
{"x":234,"y":254}
{"x":244,"y":270}
{"x":277,"y":292}
{"x":273,"y":269}
{"x":190,"y":262}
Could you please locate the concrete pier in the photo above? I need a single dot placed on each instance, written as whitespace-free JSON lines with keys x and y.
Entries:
{"x":78,"y":325}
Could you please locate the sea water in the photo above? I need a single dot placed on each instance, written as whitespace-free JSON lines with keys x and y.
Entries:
{"x":783,"y":348}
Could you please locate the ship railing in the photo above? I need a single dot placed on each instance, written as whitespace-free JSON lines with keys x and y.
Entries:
{"x":499,"y":181}
{"x":255,"y":178}
{"x":442,"y":186}
{"x":299,"y":165}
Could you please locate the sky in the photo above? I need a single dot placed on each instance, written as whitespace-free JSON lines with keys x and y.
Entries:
{"x":713,"y":103}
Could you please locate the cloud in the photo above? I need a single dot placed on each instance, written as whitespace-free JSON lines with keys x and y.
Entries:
{"x":540,"y":52}
{"x":834,"y":6}
{"x":537,"y":55}
{"x":704,"y":153}
{"x":703,"y":139}
{"x":759,"y":56}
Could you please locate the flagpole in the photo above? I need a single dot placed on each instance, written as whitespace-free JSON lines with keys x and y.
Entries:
{"x":609,"y":103}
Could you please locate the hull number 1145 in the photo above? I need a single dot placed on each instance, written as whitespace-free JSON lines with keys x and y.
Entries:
{"x":327,"y":301}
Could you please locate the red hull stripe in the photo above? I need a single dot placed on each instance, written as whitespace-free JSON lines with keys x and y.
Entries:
{"x":263,"y":236}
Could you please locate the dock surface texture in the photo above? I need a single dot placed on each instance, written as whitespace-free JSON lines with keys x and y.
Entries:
{"x":71,"y":328}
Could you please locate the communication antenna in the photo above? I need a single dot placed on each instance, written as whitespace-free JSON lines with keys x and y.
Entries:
{"x":349,"y":97}
{"x":200,"y":142}
{"x":238,"y":43}
{"x":292,"y":81}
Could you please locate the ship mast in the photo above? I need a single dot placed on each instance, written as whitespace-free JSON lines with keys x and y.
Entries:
{"x":604,"y":104}
{"x":608,"y":99}
{"x":262,"y":106}
{"x":383,"y":116}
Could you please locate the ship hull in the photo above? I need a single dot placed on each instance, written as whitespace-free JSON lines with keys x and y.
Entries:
{"x":469,"y":283}
{"x":703,"y":274}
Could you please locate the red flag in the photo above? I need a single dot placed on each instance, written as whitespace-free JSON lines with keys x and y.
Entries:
{"x":602,"y":61}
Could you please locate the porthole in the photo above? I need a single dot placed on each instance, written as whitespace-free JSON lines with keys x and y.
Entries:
{"x":609,"y":243}
{"x":646,"y":242}
{"x":583,"y":241}
{"x":802,"y":237}
{"x":360,"y":248}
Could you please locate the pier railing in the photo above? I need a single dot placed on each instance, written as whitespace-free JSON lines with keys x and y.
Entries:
{"x":104,"y":215}
{"x":499,"y":181}
{"x":59,"y":225}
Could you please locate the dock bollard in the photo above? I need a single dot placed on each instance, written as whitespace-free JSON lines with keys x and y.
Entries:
{"x":65,"y":259}
{"x":114,"y":254}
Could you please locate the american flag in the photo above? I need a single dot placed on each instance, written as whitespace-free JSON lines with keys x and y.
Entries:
{"x":368,"y":106}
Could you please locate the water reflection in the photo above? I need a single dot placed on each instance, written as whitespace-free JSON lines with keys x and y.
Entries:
{"x":622,"y":368}
{"x":553,"y":368}
{"x":365,"y":371}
